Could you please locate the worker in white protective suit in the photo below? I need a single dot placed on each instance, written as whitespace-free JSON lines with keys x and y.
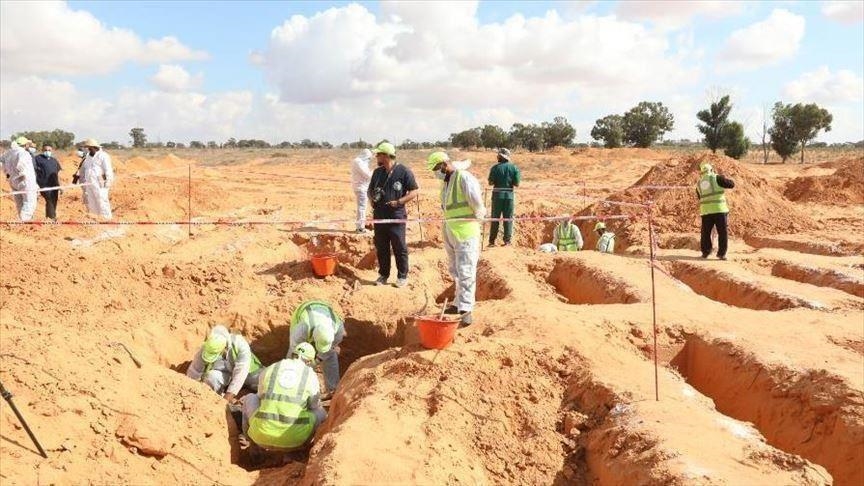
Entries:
{"x":360,"y":176}
{"x":21,"y":173}
{"x":460,"y":199}
{"x":97,"y":174}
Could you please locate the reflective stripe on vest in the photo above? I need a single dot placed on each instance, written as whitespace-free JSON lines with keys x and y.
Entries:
{"x":712,"y":197}
{"x":254,"y":366}
{"x":456,"y":206}
{"x":282,"y":419}
{"x":310,"y":317}
{"x":566,"y":237}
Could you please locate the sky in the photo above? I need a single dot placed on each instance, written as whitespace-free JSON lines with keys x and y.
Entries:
{"x":343,"y":71}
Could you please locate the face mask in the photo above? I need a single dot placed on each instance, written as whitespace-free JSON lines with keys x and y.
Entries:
{"x":80,"y":153}
{"x":439,"y":175}
{"x":47,"y":153}
{"x":31,"y":150}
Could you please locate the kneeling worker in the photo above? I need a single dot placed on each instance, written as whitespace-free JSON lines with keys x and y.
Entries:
{"x":287,"y":409}
{"x":225,"y":363}
{"x":567,"y":236}
{"x":606,"y":243}
{"x":316,"y":323}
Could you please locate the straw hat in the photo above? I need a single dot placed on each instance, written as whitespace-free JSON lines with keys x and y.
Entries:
{"x":90,"y":142}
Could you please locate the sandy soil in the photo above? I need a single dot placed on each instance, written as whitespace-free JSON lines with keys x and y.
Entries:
{"x":761,"y":358}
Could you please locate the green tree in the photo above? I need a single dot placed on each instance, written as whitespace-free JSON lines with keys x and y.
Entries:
{"x":733,"y":140}
{"x":558,"y":133}
{"x":59,"y":139}
{"x":782,"y":138}
{"x":807,"y":121}
{"x":714,"y":121}
{"x":231,"y":143}
{"x":610,"y":129}
{"x":212,"y":144}
{"x":466,"y":139}
{"x":195,"y":144}
{"x":139,"y":138}
{"x":493,"y":136}
{"x":646,"y":123}
{"x":530,"y":137}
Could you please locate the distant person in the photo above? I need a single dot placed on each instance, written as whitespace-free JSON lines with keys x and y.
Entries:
{"x":18,"y":166}
{"x":567,"y":236}
{"x":504,"y":177}
{"x":713,"y":209}
{"x":315,"y":322}
{"x":285,"y":412}
{"x":606,"y":242}
{"x":391,"y":187}
{"x":360,"y":175}
{"x":460,"y":199}
{"x":48,"y":175}
{"x":225,"y":363}
{"x":96,"y":170}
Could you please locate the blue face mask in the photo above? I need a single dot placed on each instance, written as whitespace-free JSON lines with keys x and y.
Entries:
{"x":47,"y":153}
{"x":32,"y":150}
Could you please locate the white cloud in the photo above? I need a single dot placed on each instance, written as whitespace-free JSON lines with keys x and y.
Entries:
{"x":674,"y":15}
{"x":763,"y":43}
{"x":74,"y":42}
{"x":183,"y":116}
{"x":174,"y":78}
{"x":847,"y":12}
{"x":439,"y":56}
{"x":823,"y":86}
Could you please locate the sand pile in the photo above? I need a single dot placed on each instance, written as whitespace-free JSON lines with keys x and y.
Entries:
{"x":143,"y":164}
{"x":755,"y":206}
{"x":845,"y":186}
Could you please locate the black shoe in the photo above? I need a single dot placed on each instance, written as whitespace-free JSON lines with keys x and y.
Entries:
{"x":451,"y":309}
{"x":704,"y":256}
{"x":506,"y":243}
{"x":491,"y":244}
{"x":465,"y":320}
{"x":721,"y":257}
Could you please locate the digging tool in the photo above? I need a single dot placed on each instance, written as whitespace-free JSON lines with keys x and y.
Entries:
{"x":134,"y":359}
{"x":441,"y":317}
{"x":419,"y":218}
{"x":8,"y":397}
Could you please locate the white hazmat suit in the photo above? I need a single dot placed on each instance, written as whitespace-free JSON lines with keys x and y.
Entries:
{"x":97,"y":172}
{"x":360,"y":176}
{"x":18,"y":166}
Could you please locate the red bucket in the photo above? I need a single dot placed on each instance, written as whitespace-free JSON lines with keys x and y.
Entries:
{"x":324,"y":264}
{"x":436,"y":333}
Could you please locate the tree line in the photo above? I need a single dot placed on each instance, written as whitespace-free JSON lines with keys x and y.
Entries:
{"x":791,"y":129}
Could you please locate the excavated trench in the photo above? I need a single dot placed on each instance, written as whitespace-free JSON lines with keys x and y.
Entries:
{"x":819,"y":277}
{"x":490,"y":285}
{"x":582,"y":284}
{"x":722,"y":287}
{"x":811,"y":413}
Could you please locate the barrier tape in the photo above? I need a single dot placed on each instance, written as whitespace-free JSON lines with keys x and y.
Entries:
{"x":43,"y":189}
{"x":316,"y":222}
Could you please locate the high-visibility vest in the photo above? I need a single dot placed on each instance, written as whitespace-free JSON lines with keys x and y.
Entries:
{"x":456,"y":206}
{"x":303,"y":313}
{"x":606,"y":243}
{"x":567,"y":240}
{"x":712,"y":197}
{"x":282,"y":419}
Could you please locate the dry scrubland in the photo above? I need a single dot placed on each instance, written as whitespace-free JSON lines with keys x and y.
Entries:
{"x":762,"y":357}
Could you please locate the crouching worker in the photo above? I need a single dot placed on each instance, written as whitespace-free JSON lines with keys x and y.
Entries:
{"x":606,"y":243}
{"x":567,"y":236}
{"x":287,"y":409}
{"x":225,"y":363}
{"x":316,"y":323}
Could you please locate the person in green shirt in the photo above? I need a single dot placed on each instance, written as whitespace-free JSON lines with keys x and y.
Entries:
{"x":504,"y":177}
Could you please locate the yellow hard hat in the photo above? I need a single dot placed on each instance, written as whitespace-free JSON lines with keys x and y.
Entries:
{"x":213,"y":347}
{"x":22,"y":141}
{"x":705,"y":167}
{"x":305,"y":351}
{"x":436,"y":158}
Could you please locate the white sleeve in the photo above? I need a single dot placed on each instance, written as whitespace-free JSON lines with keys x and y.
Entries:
{"x":471,"y":188}
{"x":108,"y":170}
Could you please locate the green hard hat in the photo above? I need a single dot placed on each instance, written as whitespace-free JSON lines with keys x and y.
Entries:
{"x":305,"y":351}
{"x":386,"y":148}
{"x":436,"y":158}
{"x":213,"y":347}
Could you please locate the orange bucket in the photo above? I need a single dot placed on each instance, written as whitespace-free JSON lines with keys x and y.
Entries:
{"x":324,"y":264}
{"x":436,"y":333}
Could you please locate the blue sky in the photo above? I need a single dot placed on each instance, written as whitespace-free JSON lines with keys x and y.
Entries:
{"x":416,"y":70}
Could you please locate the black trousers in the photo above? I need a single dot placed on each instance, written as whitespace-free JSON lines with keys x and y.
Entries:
{"x":709,"y":222}
{"x":389,"y":236}
{"x":51,"y":203}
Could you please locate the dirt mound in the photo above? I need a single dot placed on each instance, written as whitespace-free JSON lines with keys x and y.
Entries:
{"x":755,"y":207}
{"x":144,"y":164}
{"x":845,"y":186}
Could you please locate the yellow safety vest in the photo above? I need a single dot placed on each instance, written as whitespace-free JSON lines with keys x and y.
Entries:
{"x":712,"y":197}
{"x":282,"y":420}
{"x":455,"y":207}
